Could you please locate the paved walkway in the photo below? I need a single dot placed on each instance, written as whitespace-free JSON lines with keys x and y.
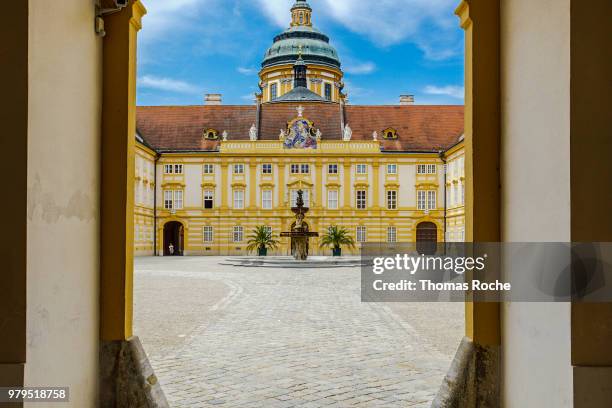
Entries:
{"x":255,"y":337}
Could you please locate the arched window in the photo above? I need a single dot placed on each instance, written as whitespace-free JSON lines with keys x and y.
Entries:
{"x":390,"y":133}
{"x":211,"y":134}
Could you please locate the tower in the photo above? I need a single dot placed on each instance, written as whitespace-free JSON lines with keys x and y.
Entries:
{"x":301,"y":14}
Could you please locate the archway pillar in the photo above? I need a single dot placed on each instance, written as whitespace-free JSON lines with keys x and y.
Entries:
{"x":473,"y":381}
{"x":126,"y":377}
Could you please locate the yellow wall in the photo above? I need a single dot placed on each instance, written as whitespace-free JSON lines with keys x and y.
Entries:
{"x":144,"y":199}
{"x":347,"y":155}
{"x":317,"y":77}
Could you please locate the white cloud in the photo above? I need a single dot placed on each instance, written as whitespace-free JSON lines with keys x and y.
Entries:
{"x":453,"y":91}
{"x":360,"y":68}
{"x":430,"y":24}
{"x":166,"y":84}
{"x":246,"y":71}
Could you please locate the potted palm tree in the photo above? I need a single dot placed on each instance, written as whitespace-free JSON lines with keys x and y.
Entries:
{"x":261,"y":239}
{"x":335,"y":238}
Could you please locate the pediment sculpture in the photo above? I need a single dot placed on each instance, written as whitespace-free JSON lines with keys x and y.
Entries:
{"x":300,"y":134}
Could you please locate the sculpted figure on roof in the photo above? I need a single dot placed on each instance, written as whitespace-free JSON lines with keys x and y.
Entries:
{"x":348,"y":133}
{"x":253,"y":133}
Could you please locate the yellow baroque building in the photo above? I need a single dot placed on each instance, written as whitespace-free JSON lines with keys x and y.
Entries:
{"x":206,"y":176}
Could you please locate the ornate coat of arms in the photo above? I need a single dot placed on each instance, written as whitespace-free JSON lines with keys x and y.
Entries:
{"x":300,"y":134}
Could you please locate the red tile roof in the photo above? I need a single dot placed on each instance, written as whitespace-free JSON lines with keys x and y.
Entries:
{"x":419,"y":128}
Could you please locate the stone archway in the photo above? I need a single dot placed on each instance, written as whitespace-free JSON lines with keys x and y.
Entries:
{"x":174,"y":239}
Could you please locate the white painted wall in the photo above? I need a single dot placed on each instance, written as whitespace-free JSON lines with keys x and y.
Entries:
{"x":63,"y":199}
{"x":535,"y":191}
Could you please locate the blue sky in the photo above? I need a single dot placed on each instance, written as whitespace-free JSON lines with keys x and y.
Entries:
{"x":188,"y":48}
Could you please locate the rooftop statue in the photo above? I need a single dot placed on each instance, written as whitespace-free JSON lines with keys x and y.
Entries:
{"x":348,"y":133}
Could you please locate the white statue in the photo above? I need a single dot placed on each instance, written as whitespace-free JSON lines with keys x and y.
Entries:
{"x":224,"y":136}
{"x":253,"y":133}
{"x":300,"y":111}
{"x":375,"y":136}
{"x":319,"y":134}
{"x":348,"y":133}
{"x":281,"y":137}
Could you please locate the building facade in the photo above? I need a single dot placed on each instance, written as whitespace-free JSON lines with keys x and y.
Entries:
{"x":206,"y":176}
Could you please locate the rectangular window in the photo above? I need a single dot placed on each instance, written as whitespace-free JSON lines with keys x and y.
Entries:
{"x":266,"y":199}
{"x":332,"y":199}
{"x":362,"y":169}
{"x":462,"y":189}
{"x":178,"y":200}
{"x":306,"y":198}
{"x":328,"y":92}
{"x":362,"y":234}
{"x":209,"y":199}
{"x":239,"y":199}
{"x":332,"y":169}
{"x":178,"y":169}
{"x":208,"y":233}
{"x":168,"y":199}
{"x":305,"y":169}
{"x":168,"y":168}
{"x":238,"y":234}
{"x":426,"y":169}
{"x":238,"y":168}
{"x":421,"y":200}
{"x":266,"y":169}
{"x":392,"y":199}
{"x":273,"y":91}
{"x":209,"y":169}
{"x":391,"y":234}
{"x":392,"y":169}
{"x":295,"y":169}
{"x":361,"y":199}
{"x":431,"y":200}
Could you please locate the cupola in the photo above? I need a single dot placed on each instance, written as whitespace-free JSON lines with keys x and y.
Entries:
{"x":301,"y":14}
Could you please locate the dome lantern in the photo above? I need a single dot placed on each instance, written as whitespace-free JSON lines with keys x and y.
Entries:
{"x":301,"y":14}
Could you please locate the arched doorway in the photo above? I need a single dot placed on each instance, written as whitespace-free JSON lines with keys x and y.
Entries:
{"x":174,"y":239}
{"x":427,"y":238}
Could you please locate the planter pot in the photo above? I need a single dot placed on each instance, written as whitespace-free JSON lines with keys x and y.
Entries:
{"x":337,"y":251}
{"x":262,"y":252}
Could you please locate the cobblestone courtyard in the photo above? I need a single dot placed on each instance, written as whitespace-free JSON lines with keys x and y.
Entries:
{"x":256,"y":337}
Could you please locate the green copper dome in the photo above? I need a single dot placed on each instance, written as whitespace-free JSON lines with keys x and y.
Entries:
{"x":313,"y":45}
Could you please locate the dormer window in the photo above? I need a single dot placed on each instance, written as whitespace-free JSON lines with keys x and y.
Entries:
{"x":211,"y":134}
{"x":390,"y":133}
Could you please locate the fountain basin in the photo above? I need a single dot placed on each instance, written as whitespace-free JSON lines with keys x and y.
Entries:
{"x":288,"y":262}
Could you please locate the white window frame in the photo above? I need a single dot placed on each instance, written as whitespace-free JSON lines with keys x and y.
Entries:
{"x":266,"y":199}
{"x":168,"y":168}
{"x":432,"y":169}
{"x":178,"y":199}
{"x":362,"y":169}
{"x":421,"y":200}
{"x":305,"y":168}
{"x":432,"y":199}
{"x":391,"y":234}
{"x":273,"y":86}
{"x":168,"y":199}
{"x":294,"y":168}
{"x":392,"y":199}
{"x":266,"y":168}
{"x":238,"y":168}
{"x":333,"y":202}
{"x":361,"y":203}
{"x":391,"y":168}
{"x":208,"y":233}
{"x":238,"y":234}
{"x":361,"y":233}
{"x":332,"y":166}
{"x":238,"y":199}
{"x":209,"y":195}
{"x":209,"y":168}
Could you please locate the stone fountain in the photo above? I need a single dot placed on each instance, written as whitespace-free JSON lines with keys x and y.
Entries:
{"x":300,"y":234}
